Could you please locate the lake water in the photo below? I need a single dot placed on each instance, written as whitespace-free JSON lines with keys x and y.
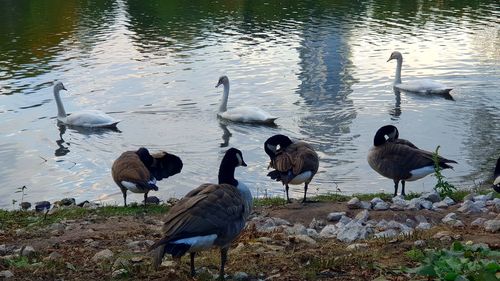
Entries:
{"x":320,"y":66}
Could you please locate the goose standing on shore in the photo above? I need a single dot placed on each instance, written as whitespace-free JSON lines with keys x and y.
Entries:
{"x":138,"y":171}
{"x":496,"y":175}
{"x":212,"y":215}
{"x":400,"y":160}
{"x":84,"y":118}
{"x":244,"y":114}
{"x":423,"y":86}
{"x":294,"y":162}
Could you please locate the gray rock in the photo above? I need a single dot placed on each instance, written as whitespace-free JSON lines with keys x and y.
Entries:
{"x":357,"y":246}
{"x":119,"y":273}
{"x":152,"y":200}
{"x":397,"y":207}
{"x":376,"y":200}
{"x":478,"y":222}
{"x":104,"y":255}
{"x":54,"y":256}
{"x":424,"y":226}
{"x":387,"y":234}
{"x":431,"y":196}
{"x":448,"y":201}
{"x":317,"y":224}
{"x":399,"y":200}
{"x":420,"y":218}
{"x":304,"y":238}
{"x":57,"y":226}
{"x":492,"y":225}
{"x":353,"y":231}
{"x":415,"y":204}
{"x":439,"y":205}
{"x":240,"y":276}
{"x":28,"y":252}
{"x":5,"y":274}
{"x":67,"y":202}
{"x":470,"y":207}
{"x":426,"y":204}
{"x":469,"y":197}
{"x":268,"y":224}
{"x":458,"y":224}
{"x":345,"y":220}
{"x":311,"y":232}
{"x":366,"y":205}
{"x":381,"y":206}
{"x":449,"y":218}
{"x":442,"y":234}
{"x":419,"y":243}
{"x":487,"y":197}
{"x":90,"y":205}
{"x":362,"y":216}
{"x":404,"y":229}
{"x":3,"y":250}
{"x":382,"y":225}
{"x":296,"y":229}
{"x":354,"y":203}
{"x":329,"y":231}
{"x":335,"y":216}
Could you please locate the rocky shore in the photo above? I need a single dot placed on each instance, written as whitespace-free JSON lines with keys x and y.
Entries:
{"x":351,"y":239}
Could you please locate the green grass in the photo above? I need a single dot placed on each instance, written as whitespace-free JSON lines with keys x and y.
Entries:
{"x":18,"y":219}
{"x":269,"y":201}
{"x":332,"y":197}
{"x":370,"y":196}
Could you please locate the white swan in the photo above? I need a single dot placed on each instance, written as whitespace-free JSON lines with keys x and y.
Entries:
{"x":246,"y":114}
{"x":84,"y":118}
{"x":419,"y":86}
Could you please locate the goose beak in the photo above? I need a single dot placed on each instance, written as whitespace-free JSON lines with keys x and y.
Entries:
{"x":218,"y":84}
{"x":63,"y":88}
{"x":389,"y":59}
{"x":243,"y":163}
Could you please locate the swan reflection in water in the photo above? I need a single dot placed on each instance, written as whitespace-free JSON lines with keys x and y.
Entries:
{"x":226,"y":135}
{"x":396,"y":111}
{"x":63,"y":146}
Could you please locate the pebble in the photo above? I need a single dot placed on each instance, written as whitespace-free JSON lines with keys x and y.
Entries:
{"x":335,"y":216}
{"x":478,"y":222}
{"x":5,"y":274}
{"x":354,"y":203}
{"x":106,"y":255}
{"x":423,"y":226}
{"x":419,"y":243}
{"x":492,"y":225}
{"x":28,"y":251}
{"x":54,"y":256}
{"x":381,"y":206}
{"x":119,"y":273}
{"x":357,"y":246}
{"x":240,"y":276}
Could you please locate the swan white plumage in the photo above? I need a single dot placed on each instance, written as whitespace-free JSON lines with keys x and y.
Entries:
{"x":423,"y":86}
{"x":84,"y":118}
{"x":246,"y":114}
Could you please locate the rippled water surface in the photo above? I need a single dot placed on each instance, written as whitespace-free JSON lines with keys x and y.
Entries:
{"x":320,"y":66}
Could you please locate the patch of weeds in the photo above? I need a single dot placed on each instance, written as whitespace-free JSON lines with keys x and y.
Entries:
{"x":461,"y":262}
{"x":19,"y":262}
{"x":332,"y":197}
{"x":443,"y":187}
{"x":415,"y":255}
{"x":412,"y":195}
{"x":269,"y":201}
{"x":370,"y":196}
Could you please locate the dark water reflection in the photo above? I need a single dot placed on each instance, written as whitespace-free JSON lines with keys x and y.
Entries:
{"x":318,"y":65}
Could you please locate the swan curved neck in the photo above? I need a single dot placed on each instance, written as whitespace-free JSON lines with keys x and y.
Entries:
{"x":397,"y":79}
{"x":225,"y":95}
{"x":61,"y":113}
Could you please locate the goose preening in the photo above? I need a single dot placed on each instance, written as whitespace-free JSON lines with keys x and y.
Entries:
{"x":423,"y":86}
{"x":84,"y":118}
{"x":245,"y":114}
{"x":138,"y":171}
{"x":496,"y":175}
{"x":211,"y":215}
{"x":399,"y":159}
{"x":294,"y":162}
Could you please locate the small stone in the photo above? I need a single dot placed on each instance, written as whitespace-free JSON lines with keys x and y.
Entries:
{"x":153,"y":200}
{"x":90,"y":205}
{"x":458,"y":224}
{"x":433,"y":197}
{"x":317,"y":224}
{"x":424,"y":226}
{"x":345,"y":220}
{"x":54,"y":256}
{"x":483,"y":197}
{"x":449,"y":218}
{"x":478,"y":222}
{"x":42,"y":206}
{"x":469,"y":207}
{"x":397,"y":207}
{"x":469,"y":197}
{"x":311,"y":232}
{"x":296,"y":229}
{"x":67,"y":202}
{"x":329,"y":231}
{"x":448,"y":201}
{"x":420,"y":218}
{"x":387,"y":234}
{"x":419,"y":243}
{"x":240,"y":276}
{"x":335,"y":216}
{"x":366,"y":205}
{"x":492,"y":225}
{"x":443,"y":236}
{"x":426,"y":204}
{"x":362,"y":216}
{"x":3,"y":250}
{"x":5,"y":274}
{"x":440,"y":205}
{"x":104,"y":255}
{"x":357,"y":246}
{"x":354,"y":203}
{"x":381,"y":206}
{"x":25,"y":205}
{"x":376,"y":200}
{"x":119,"y":273}
{"x":28,"y":252}
{"x":304,"y":238}
{"x":352,"y":231}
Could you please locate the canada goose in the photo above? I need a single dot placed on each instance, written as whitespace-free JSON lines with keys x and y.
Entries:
{"x":496,"y":175}
{"x":211,"y":215}
{"x":138,"y":171}
{"x":86,"y":118}
{"x":423,"y":86}
{"x":294,"y":162}
{"x":245,"y":114}
{"x":399,"y":160}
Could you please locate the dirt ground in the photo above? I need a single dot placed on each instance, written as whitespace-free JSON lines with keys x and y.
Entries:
{"x":277,"y":258}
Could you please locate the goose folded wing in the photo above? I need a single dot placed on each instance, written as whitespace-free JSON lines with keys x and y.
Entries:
{"x":130,"y":168}
{"x":209,"y":209}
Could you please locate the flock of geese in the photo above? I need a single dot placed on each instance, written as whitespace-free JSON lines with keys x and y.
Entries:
{"x":213,"y":215}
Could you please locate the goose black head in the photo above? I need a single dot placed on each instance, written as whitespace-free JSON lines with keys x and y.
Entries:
{"x":166,"y":165}
{"x":271,"y":144}
{"x":234,"y":157}
{"x":390,"y":131}
{"x":145,"y":157}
